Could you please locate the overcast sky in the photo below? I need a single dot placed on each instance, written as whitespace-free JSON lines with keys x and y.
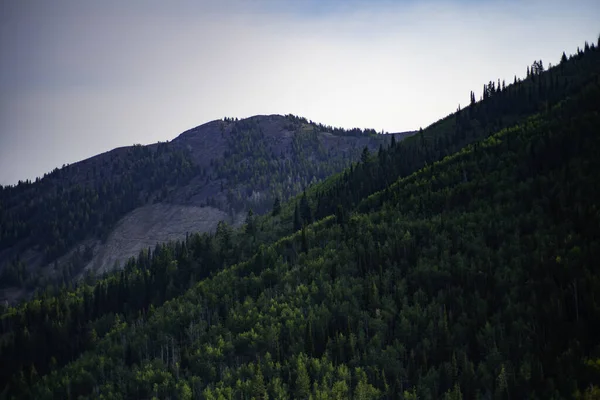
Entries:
{"x":79,"y":78}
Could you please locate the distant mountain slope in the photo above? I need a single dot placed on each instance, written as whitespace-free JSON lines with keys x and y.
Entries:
{"x":249,"y":163}
{"x":54,"y":228}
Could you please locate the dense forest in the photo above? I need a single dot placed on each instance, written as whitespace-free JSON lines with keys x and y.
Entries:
{"x":257,"y":171}
{"x":459,"y":263}
{"x":53,"y":214}
{"x":56,"y":214}
{"x":45,"y":223}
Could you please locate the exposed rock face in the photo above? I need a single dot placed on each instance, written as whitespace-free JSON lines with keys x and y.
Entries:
{"x":232,"y":166}
{"x":151,"y":224}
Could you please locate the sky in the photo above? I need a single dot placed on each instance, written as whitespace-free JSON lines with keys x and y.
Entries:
{"x":79,"y":78}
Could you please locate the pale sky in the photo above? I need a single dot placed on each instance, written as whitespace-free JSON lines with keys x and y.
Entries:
{"x":78,"y":78}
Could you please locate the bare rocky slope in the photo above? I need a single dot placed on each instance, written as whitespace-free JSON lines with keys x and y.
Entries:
{"x":151,"y":224}
{"x":223,"y":168}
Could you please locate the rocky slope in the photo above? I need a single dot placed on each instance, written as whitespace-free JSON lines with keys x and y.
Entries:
{"x":107,"y":208}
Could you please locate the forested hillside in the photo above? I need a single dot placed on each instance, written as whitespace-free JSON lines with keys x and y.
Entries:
{"x":56,"y":227}
{"x":55,"y":212}
{"x":459,"y":263}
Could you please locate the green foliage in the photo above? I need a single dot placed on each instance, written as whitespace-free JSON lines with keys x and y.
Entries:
{"x":466,"y":275}
{"x":261,"y":171}
{"x":67,"y":205}
{"x":85,"y":200}
{"x":500,"y":110}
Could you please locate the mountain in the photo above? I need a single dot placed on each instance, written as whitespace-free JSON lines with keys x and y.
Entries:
{"x":458,"y":263}
{"x":94,"y":215}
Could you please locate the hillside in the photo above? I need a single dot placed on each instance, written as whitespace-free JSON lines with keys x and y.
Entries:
{"x":97,"y":213}
{"x":458,"y":263}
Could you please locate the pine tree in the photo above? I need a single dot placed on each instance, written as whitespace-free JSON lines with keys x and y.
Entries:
{"x":305,"y":211}
{"x":364,"y":157}
{"x":302,"y":380}
{"x":454,"y":393}
{"x":250,"y":223}
{"x":501,"y":382}
{"x":304,"y":240}
{"x":364,"y":390}
{"x":276,"y":207}
{"x":259,"y":390}
{"x":297,"y":221}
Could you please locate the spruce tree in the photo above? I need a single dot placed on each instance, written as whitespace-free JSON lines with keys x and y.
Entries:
{"x":297,"y":221}
{"x":276,"y":207}
{"x":250,"y":223}
{"x":364,"y":157}
{"x":305,"y":211}
{"x":304,"y":240}
{"x":302,"y":380}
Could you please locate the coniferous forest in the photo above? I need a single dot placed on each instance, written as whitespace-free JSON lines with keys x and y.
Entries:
{"x":54,"y":227}
{"x":460,"y":263}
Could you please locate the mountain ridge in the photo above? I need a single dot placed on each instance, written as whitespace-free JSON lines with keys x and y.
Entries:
{"x":188,"y":176}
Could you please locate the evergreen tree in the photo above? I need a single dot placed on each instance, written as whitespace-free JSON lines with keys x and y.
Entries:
{"x":302,"y":380}
{"x":364,"y":157}
{"x":259,"y":390}
{"x":250,"y":223}
{"x":305,"y":211}
{"x":304,"y":240}
{"x":276,"y":207}
{"x":297,"y":220}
